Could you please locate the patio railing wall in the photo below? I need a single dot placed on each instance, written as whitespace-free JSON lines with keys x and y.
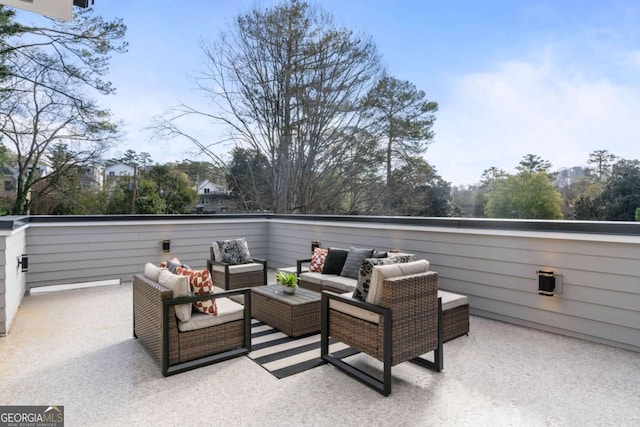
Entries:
{"x":12,"y":278}
{"x":493,"y":262}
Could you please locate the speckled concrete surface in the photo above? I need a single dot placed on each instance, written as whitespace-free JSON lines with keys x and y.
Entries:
{"x":75,"y":348}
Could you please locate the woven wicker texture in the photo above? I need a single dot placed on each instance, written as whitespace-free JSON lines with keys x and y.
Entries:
{"x":455,"y":322}
{"x":183,"y":346}
{"x":236,"y":280}
{"x":295,"y":315}
{"x":317,"y":287}
{"x":239,"y":280}
{"x":147,"y":314}
{"x":414,"y":306}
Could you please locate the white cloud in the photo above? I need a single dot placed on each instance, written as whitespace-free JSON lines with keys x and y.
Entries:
{"x":541,"y":107}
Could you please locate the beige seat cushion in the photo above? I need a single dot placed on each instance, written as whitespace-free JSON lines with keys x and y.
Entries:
{"x":237,"y":298}
{"x":292,"y":270}
{"x":228,"y":311}
{"x":451,"y":300}
{"x":239,"y":268}
{"x":339,"y":282}
{"x":351,"y":310}
{"x":312,"y":277}
{"x":383,"y":272}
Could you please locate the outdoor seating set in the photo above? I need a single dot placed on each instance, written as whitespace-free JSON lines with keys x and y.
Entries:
{"x":386,"y":305}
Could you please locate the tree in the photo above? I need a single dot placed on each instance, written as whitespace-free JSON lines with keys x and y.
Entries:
{"x":402,"y":118}
{"x":55,"y":193}
{"x":532,"y":163}
{"x":248,"y":180}
{"x":147,"y":198}
{"x":174,"y":187}
{"x":464,"y":199}
{"x":198,"y":171}
{"x":602,"y":160}
{"x":417,"y":190}
{"x":43,"y":103}
{"x":525,"y":195}
{"x":80,"y":49}
{"x":286,"y":83}
{"x":619,"y":198}
{"x":487,"y":181}
{"x":37,"y":117}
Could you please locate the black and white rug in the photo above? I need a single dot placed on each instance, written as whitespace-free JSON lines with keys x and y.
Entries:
{"x":284,"y":356}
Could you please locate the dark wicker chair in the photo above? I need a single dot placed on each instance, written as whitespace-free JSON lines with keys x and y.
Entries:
{"x":409,"y":325}
{"x":155,"y":325}
{"x":224,"y":277}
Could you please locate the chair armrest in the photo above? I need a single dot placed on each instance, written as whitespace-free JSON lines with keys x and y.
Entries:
{"x":214,"y":262}
{"x":299,"y":265}
{"x":194,"y":298}
{"x":152,"y":287}
{"x":354,"y":302}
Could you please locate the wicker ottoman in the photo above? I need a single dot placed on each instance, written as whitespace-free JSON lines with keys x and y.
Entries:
{"x":455,"y":315}
{"x":295,"y":315}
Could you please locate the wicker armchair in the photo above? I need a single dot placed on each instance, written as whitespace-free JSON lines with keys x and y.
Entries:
{"x":156,"y":326}
{"x":406,"y":324}
{"x":236,"y":276}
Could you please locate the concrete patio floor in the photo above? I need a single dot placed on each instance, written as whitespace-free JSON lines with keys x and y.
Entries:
{"x":75,"y":348}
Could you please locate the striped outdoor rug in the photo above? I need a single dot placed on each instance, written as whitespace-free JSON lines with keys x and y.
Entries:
{"x":284,"y":356}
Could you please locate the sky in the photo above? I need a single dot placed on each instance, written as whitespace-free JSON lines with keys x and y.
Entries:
{"x":555,"y":78}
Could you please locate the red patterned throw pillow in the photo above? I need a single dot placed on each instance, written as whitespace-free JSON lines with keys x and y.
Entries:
{"x":201,"y":284}
{"x":318,"y":259}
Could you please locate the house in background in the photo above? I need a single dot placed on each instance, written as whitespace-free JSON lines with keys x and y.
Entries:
{"x":213,"y":198}
{"x":91,"y":176}
{"x":10,"y":178}
{"x":119,"y":169}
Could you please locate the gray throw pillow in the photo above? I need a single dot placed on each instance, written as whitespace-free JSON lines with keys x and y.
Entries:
{"x":173,"y":266}
{"x":354,"y":259}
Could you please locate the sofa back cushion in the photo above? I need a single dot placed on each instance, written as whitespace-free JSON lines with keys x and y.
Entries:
{"x":152,"y":271}
{"x":354,"y":259}
{"x":335,"y":261}
{"x":383,"y":272}
{"x":180,"y":287}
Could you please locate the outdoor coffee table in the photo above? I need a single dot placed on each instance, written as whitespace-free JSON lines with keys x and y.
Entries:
{"x":295,"y":315}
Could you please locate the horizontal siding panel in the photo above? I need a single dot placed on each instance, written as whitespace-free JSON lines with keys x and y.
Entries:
{"x":588,"y":327}
{"x":467,"y":279}
{"x":575,"y":309}
{"x":111,"y":251}
{"x":495,"y":268}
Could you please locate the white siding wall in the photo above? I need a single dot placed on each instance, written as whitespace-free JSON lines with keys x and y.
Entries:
{"x":496,"y":268}
{"x":63,"y":253}
{"x":12,"y":280}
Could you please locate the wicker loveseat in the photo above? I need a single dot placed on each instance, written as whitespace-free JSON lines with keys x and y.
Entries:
{"x":337,"y":281}
{"x":157,"y":327}
{"x":401,"y":323}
